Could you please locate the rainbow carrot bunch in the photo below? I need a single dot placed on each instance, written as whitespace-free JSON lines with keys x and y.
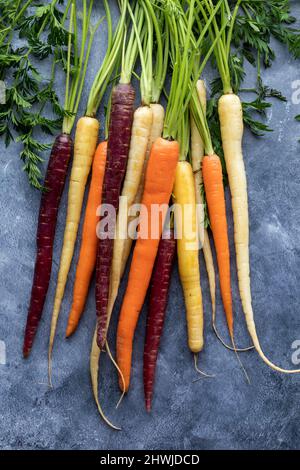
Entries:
{"x":164,"y":162}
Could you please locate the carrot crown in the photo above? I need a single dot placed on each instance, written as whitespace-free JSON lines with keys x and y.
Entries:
{"x":77,"y":71}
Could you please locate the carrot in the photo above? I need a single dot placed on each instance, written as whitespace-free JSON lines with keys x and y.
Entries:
{"x":160,"y":284}
{"x":84,"y":148}
{"x":187,"y":252}
{"x":158,"y":187}
{"x":121,"y":120}
{"x":158,"y":115}
{"x":117,"y":154}
{"x":142,"y":121}
{"x":54,"y":184}
{"x":214,"y":191}
{"x":87,"y":256}
{"x":197,"y":154}
{"x":94,"y":370}
{"x":55,"y":180}
{"x":231,"y":120}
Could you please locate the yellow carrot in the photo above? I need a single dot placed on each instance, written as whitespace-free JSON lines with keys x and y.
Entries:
{"x":187,"y":250}
{"x":84,"y":149}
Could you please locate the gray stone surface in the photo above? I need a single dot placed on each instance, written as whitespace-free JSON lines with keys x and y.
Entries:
{"x":219,"y":413}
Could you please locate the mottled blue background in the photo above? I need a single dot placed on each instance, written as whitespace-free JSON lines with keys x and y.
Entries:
{"x":219,"y":413}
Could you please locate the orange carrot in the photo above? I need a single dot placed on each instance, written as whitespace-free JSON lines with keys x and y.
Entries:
{"x":88,"y":250}
{"x":214,"y":190}
{"x":159,"y":181}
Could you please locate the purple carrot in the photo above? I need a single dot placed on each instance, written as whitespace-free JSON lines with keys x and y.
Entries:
{"x":160,"y":284}
{"x":54,"y":185}
{"x":117,"y":154}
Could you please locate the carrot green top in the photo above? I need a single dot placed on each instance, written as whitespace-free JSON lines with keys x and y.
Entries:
{"x":222,"y":27}
{"x":76,"y":71}
{"x":182,"y":52}
{"x":114,"y":47}
{"x":185,"y":54}
{"x":141,"y":32}
{"x":156,"y":34}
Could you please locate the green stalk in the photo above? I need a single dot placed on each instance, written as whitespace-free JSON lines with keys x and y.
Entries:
{"x":184,"y":136}
{"x":83,"y":75}
{"x":74,"y":90}
{"x":102,"y":78}
{"x":145,"y":55}
{"x":132,"y":47}
{"x":183,"y":39}
{"x":232,"y":23}
{"x":161,"y":53}
{"x":69,"y":58}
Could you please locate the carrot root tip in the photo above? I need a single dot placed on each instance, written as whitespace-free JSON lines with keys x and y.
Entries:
{"x":26,"y":353}
{"x":148,"y":405}
{"x":199,"y":371}
{"x":227,"y":346}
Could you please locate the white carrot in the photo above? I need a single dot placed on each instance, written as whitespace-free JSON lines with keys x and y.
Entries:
{"x":158,"y":115}
{"x":232,"y":128}
{"x":141,"y":128}
{"x":94,"y":370}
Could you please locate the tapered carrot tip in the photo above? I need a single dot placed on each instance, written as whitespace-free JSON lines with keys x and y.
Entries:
{"x":26,"y":353}
{"x":148,"y":405}
{"x":70,"y":330}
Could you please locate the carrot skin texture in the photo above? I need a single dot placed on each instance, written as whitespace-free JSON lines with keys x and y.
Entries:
{"x":214,"y":190}
{"x":232,"y":128}
{"x":159,"y":181}
{"x":158,"y":116}
{"x":160,"y":284}
{"x":54,"y":184}
{"x":188,"y":253}
{"x":121,"y":118}
{"x":88,"y":251}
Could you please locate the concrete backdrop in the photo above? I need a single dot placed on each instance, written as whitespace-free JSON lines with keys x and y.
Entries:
{"x":219,"y":413}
